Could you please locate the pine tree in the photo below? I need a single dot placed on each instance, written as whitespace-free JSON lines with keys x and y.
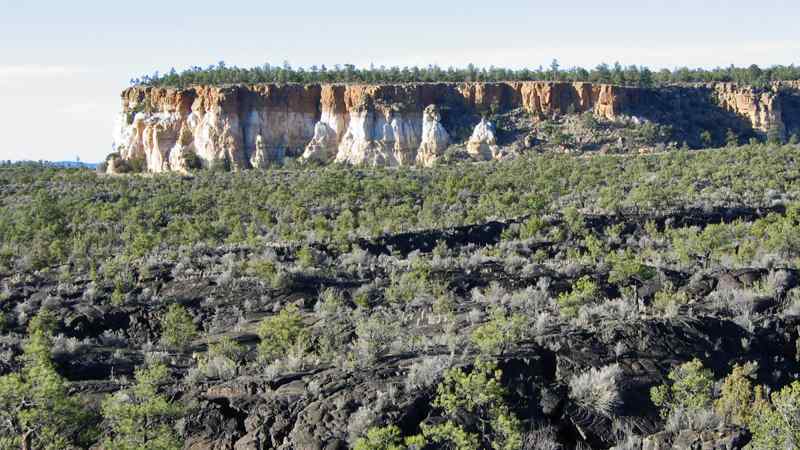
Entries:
{"x":35,"y":410}
{"x":140,"y":417}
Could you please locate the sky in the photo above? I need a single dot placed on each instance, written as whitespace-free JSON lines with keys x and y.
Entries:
{"x":64,"y":63}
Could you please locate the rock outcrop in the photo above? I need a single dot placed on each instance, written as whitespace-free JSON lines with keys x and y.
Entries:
{"x":482,"y":144}
{"x":762,"y":108}
{"x":435,"y":138}
{"x":253,"y":126}
{"x":322,"y":147}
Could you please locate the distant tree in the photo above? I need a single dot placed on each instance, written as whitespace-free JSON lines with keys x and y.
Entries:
{"x":731,"y":138}
{"x":348,"y":73}
{"x":706,"y":139}
{"x":775,"y":135}
{"x":554,"y":70}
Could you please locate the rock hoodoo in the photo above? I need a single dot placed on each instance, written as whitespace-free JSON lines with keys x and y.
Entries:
{"x":482,"y":144}
{"x":246,"y":126}
{"x":435,"y":138}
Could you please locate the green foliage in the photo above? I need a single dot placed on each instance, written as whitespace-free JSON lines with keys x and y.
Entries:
{"x":222,"y":359}
{"x":731,"y":138}
{"x":479,"y":393}
{"x":775,"y":424}
{"x":266,"y":271}
{"x":690,"y":389}
{"x":449,"y":435}
{"x":735,"y":403}
{"x":574,"y":221}
{"x":627,"y":265}
{"x":775,"y":135}
{"x":531,"y":227}
{"x":34,"y":404}
{"x":140,"y":417}
{"x":193,"y":162}
{"x":381,"y":438}
{"x":281,"y":334}
{"x":177,"y":327}
{"x":595,"y":247}
{"x":780,"y":234}
{"x":589,"y":121}
{"x":405,"y":286}
{"x":117,"y":295}
{"x":50,"y":217}
{"x":347,"y":73}
{"x":500,"y":332}
{"x":583,"y":291}
{"x":706,"y":139}
{"x":668,"y":298}
{"x":305,"y":257}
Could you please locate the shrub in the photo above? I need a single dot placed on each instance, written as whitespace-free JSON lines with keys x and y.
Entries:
{"x":706,"y":139}
{"x":668,"y":299}
{"x":478,"y":393}
{"x":177,"y":327}
{"x":222,"y":359}
{"x":267,"y":271}
{"x":775,"y":424}
{"x":305,"y":257}
{"x":426,"y":373}
{"x":589,"y":121}
{"x":381,"y":438}
{"x":574,"y":221}
{"x":731,"y":138}
{"x":583,"y":291}
{"x":690,"y":389}
{"x":531,"y":227}
{"x":192,"y":160}
{"x":597,"y":389}
{"x":626,"y":265}
{"x":736,"y":395}
{"x":281,"y":334}
{"x":375,"y":334}
{"x":501,"y":331}
{"x":448,"y":435}
{"x":775,"y":135}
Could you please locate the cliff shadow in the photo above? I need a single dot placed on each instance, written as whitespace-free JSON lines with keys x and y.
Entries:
{"x":790,"y":106}
{"x":689,"y":112}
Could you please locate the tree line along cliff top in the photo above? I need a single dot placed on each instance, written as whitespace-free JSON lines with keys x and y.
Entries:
{"x":632,"y":75}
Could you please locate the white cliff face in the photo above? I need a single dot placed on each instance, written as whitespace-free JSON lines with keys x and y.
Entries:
{"x":322,"y":147}
{"x":435,"y":138}
{"x":483,"y":143}
{"x":218,"y":137}
{"x":374,"y":138}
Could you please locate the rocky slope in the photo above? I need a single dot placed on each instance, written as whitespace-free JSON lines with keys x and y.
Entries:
{"x":244,"y":127}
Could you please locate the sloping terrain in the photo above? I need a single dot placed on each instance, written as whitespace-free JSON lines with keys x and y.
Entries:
{"x":531,"y":303}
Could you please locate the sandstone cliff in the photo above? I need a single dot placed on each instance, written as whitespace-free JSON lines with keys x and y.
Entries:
{"x":244,"y":127}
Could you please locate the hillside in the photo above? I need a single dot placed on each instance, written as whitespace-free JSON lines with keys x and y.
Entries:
{"x":545,"y":302}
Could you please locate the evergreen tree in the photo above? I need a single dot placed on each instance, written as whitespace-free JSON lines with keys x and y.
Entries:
{"x":140,"y":417}
{"x":35,"y":410}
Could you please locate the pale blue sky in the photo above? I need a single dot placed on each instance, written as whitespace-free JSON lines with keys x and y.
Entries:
{"x":63,"y":63}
